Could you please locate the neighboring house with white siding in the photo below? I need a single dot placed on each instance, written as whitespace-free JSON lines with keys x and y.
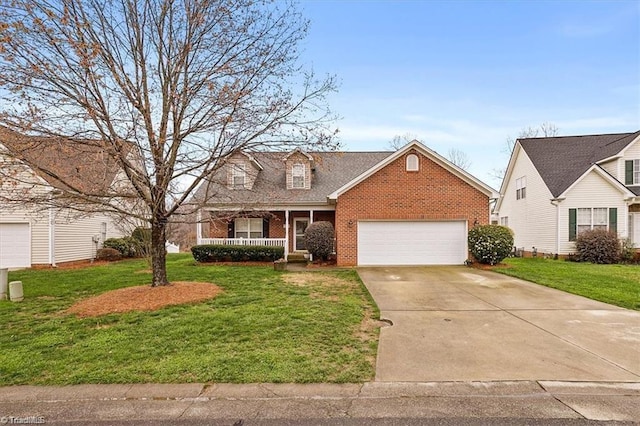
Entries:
{"x":557,"y":187}
{"x":33,"y":233}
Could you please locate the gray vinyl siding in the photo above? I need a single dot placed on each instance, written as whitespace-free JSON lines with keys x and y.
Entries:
{"x":593,"y":191}
{"x":532,"y":218}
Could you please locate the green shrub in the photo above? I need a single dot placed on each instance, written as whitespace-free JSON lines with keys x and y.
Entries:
{"x":126,"y":246}
{"x":598,"y":246}
{"x":490,"y":243}
{"x":318,"y":239}
{"x":141,"y":240}
{"x":109,"y":254}
{"x":230,"y":253}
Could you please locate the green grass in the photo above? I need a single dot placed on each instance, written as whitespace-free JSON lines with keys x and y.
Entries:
{"x":262,"y":328}
{"x":615,"y":284}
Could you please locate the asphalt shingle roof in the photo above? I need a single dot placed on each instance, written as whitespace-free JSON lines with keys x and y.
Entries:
{"x":562,"y":160}
{"x":332,"y":170}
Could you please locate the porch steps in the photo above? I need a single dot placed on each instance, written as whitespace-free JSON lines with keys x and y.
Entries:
{"x":296,"y":258}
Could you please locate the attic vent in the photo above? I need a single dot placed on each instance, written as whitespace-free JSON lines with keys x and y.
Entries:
{"x":412,"y":163}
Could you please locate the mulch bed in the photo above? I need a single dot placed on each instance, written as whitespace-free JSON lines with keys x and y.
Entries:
{"x":144,"y":298}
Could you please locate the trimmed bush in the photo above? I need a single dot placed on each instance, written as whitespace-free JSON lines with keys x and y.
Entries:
{"x":598,"y":246}
{"x":109,"y":254}
{"x":126,"y":246}
{"x":490,"y":244}
{"x":318,"y":239}
{"x":229,"y":253}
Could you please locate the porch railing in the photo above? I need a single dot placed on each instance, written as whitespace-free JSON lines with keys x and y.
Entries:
{"x":276,"y":242}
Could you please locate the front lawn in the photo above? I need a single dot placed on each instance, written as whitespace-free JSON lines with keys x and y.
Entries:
{"x":615,"y":284}
{"x":265,"y":326}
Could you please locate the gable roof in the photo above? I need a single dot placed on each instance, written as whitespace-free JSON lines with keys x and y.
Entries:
{"x":561,"y":160}
{"x":331,"y":171}
{"x":434,"y":156}
{"x":64,"y":164}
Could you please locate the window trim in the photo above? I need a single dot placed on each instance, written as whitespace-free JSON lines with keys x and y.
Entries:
{"x":238,"y":170}
{"x":636,"y":172}
{"x":249,"y":227}
{"x":521,"y":188}
{"x":610,"y":220}
{"x":298,"y":170}
{"x":412,"y":163}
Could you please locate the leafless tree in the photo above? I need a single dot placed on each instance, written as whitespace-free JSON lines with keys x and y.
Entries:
{"x":165,"y":90}
{"x":398,"y":141}
{"x":543,"y":130}
{"x":456,"y":156}
{"x":459,"y":158}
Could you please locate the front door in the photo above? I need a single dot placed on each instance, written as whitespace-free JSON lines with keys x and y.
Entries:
{"x":300,"y":226}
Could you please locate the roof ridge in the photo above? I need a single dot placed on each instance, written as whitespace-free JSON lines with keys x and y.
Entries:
{"x":622,"y":135}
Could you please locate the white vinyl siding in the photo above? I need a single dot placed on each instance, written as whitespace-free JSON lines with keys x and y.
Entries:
{"x":592,"y":192}
{"x":616,"y":167}
{"x":532,"y":219}
{"x":74,"y":236}
{"x":634,"y":229}
{"x":412,"y":243}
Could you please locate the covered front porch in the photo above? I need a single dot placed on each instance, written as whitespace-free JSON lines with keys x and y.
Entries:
{"x":283,"y":227}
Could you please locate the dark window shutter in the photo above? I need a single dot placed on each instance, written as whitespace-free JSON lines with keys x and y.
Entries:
{"x":573,"y":215}
{"x":628,"y":172}
{"x":231,"y":229}
{"x":265,"y":227}
{"x":613,"y":220}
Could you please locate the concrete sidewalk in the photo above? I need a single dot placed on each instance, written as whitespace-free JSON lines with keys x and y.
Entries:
{"x":229,"y":403}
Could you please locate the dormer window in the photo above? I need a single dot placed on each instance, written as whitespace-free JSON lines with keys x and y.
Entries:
{"x":238,"y":175}
{"x":297,"y":176}
{"x":413,"y":164}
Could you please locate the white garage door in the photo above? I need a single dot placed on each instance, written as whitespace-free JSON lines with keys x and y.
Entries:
{"x":412,"y":243}
{"x":15,"y":245}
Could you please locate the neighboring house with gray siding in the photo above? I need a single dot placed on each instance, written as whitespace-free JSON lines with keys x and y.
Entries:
{"x":41,"y":234}
{"x":557,"y":187}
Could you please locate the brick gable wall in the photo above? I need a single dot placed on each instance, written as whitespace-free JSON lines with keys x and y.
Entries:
{"x":432,"y":193}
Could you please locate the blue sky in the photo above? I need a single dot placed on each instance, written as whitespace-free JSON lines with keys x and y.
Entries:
{"x":470,"y":74}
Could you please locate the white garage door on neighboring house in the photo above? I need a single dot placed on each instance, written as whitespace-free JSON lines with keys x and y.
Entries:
{"x":412,"y":243}
{"x":15,"y":245}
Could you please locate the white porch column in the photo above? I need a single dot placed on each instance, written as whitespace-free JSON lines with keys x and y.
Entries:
{"x":310,"y":216}
{"x":199,"y":227}
{"x":286,"y":233}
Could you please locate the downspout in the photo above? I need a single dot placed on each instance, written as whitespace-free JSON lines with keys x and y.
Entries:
{"x":556,"y":203}
{"x":286,"y":234}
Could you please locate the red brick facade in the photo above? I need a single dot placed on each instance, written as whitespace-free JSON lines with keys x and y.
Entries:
{"x":432,"y":193}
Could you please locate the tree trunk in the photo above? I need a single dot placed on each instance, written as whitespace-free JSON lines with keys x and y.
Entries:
{"x":158,"y":253}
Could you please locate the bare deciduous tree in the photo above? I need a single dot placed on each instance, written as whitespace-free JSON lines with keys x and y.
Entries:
{"x":459,"y":158}
{"x":167,"y":90}
{"x":543,"y":130}
{"x":456,"y":156}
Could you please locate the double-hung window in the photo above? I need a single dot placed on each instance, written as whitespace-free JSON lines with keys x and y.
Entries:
{"x":248,"y":228}
{"x":585,"y":219}
{"x":238,"y":175}
{"x":297,"y":176}
{"x":632,"y":172}
{"x":521,"y":188}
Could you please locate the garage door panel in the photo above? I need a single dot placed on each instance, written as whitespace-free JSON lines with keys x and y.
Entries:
{"x":15,"y":245}
{"x":412,"y":243}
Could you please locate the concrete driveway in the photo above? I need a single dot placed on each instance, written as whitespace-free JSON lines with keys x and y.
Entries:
{"x":455,"y":323}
